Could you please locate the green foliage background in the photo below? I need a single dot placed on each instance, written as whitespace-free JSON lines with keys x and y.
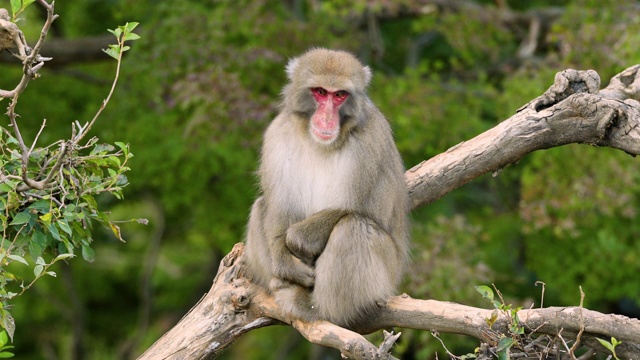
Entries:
{"x":203,"y":82}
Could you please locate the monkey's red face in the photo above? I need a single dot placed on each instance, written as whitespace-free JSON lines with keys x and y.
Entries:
{"x":325,"y":122}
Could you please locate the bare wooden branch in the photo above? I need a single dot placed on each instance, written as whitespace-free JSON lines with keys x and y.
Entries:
{"x":11,"y":36}
{"x":573,"y":110}
{"x":234,"y":306}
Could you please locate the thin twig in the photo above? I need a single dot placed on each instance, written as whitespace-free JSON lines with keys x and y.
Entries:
{"x":575,"y":345}
{"x":85,"y":130}
{"x":542,"y":294}
{"x":35,"y":140}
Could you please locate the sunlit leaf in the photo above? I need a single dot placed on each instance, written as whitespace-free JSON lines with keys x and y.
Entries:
{"x":117,"y":32}
{"x":46,"y":218}
{"x":64,"y":256}
{"x":485,"y":291}
{"x":131,"y":36}
{"x":113,"y":51}
{"x":18,"y":258}
{"x":37,"y":270}
{"x":131,"y":25}
{"x":15,"y":6}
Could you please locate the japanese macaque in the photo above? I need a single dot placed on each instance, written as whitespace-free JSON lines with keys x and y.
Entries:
{"x":329,"y":236}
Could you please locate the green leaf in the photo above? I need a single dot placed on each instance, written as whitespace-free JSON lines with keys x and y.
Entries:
{"x":53,"y":230}
{"x":46,"y":218}
{"x":93,"y":205}
{"x":63,"y":257}
{"x":113,"y":51}
{"x":37,"y":244}
{"x":21,"y":218}
{"x":606,"y":344}
{"x":19,"y":259}
{"x":131,"y":36}
{"x":115,"y":160}
{"x":7,"y":185}
{"x":15,"y":6}
{"x":503,"y":348}
{"x":26,"y":3}
{"x":130,"y":25}
{"x":4,"y":338}
{"x":88,"y":253}
{"x":117,"y":32}
{"x":122,"y":146}
{"x":42,"y":206}
{"x":37,"y":270}
{"x":64,"y":226}
{"x":505,"y":343}
{"x":485,"y":291}
{"x":5,"y":355}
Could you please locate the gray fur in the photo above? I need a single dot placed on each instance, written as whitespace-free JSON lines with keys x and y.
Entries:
{"x":329,"y":236}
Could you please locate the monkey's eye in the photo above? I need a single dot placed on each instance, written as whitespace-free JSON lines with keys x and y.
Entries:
{"x":341,"y":94}
{"x":320,"y":91}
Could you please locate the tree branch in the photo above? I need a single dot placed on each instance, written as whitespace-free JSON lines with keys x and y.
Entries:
{"x":572,"y":110}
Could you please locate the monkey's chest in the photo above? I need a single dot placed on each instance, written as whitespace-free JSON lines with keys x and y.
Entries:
{"x":317,"y":182}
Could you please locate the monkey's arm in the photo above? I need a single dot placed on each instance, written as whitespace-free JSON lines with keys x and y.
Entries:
{"x":307,"y":239}
{"x":268,"y":254}
{"x":287,"y":266}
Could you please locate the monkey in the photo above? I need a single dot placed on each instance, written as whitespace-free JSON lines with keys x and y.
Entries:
{"x":329,"y":234}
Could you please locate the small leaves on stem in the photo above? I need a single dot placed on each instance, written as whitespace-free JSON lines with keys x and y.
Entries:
{"x":122,"y":33}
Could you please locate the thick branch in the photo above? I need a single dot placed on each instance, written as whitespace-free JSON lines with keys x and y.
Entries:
{"x":234,"y":306}
{"x":571,"y":111}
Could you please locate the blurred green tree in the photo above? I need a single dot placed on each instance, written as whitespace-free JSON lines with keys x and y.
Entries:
{"x":202,"y":84}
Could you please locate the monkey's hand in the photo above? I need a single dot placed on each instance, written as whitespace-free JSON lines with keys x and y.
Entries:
{"x":301,"y":246}
{"x":307,"y":239}
{"x":293,"y":270}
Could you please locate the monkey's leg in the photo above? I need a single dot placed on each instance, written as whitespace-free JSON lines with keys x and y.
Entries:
{"x":307,"y":239}
{"x":360,"y":265}
{"x":257,"y":253}
{"x":269,"y":260}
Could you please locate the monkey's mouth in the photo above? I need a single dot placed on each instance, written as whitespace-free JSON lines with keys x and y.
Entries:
{"x":325,"y":136}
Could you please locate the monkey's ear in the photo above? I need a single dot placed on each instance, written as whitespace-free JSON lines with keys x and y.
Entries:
{"x":367,"y":75}
{"x":291,"y":67}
